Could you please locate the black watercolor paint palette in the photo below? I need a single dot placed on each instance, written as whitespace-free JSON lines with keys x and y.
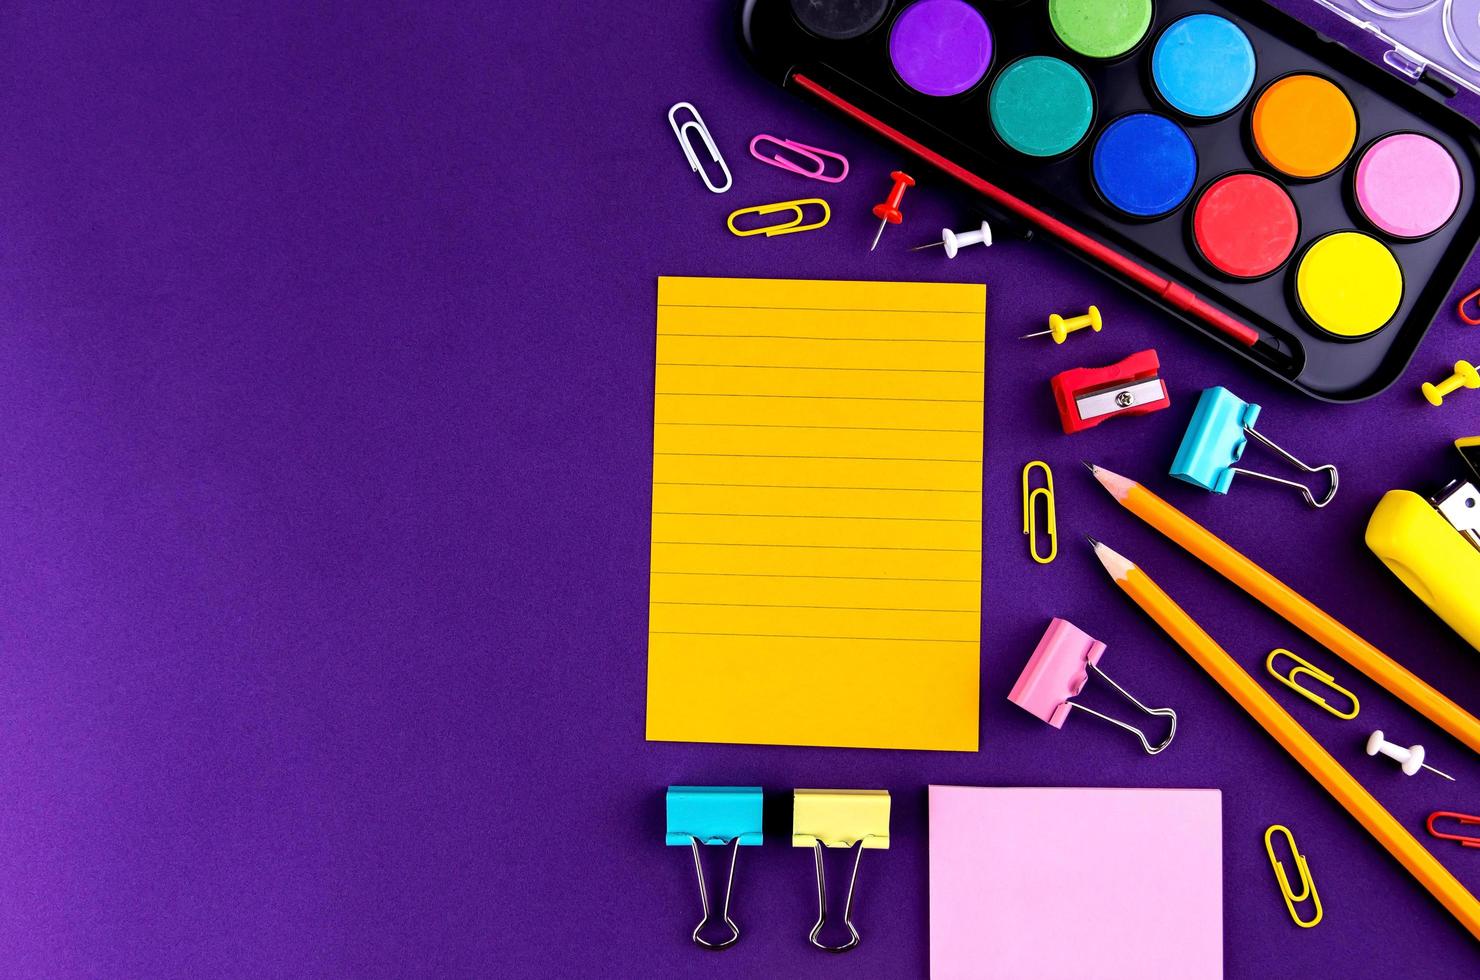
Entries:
{"x":1262,"y":183}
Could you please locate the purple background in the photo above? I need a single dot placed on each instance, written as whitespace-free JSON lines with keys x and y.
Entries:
{"x":327,"y":353}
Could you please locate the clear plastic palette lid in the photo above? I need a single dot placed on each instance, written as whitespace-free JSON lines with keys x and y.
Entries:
{"x":1441,"y":35}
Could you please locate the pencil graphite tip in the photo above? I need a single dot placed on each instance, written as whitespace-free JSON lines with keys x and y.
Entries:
{"x":1092,"y":542}
{"x":1090,"y":466}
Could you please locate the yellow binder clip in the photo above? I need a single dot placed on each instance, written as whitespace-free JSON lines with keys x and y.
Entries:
{"x":1030,"y":518}
{"x":1307,"y":886}
{"x":857,"y":819}
{"x":1303,"y":666}
{"x":798,"y":215}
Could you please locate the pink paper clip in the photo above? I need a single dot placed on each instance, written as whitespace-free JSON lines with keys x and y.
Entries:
{"x":811,"y":153}
{"x":1059,"y":670}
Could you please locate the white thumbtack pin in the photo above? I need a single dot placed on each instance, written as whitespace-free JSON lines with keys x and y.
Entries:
{"x":1411,"y":758}
{"x":954,"y":241}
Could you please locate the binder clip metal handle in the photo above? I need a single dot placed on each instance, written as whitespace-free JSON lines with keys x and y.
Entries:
{"x":1215,"y":441}
{"x":847,"y":904}
{"x":704,"y":899}
{"x":1310,"y":498}
{"x":1167,"y":713}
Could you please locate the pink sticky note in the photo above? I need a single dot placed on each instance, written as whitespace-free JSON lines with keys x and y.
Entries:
{"x":1064,"y":884}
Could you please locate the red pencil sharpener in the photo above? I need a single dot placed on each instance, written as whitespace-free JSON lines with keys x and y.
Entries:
{"x":1088,"y":396}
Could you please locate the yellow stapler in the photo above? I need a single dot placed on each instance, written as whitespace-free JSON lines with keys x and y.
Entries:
{"x":1434,"y":545}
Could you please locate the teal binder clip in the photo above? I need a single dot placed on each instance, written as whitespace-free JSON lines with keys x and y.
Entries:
{"x":714,"y":815}
{"x":1216,"y":438}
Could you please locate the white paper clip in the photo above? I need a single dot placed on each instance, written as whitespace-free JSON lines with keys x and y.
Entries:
{"x":681,"y":129}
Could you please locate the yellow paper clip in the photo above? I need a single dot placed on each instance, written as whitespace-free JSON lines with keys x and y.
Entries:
{"x":1030,"y":520}
{"x":787,"y":228}
{"x":1307,"y":886}
{"x":1303,"y":666}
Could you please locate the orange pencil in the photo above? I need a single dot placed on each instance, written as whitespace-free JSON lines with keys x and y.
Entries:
{"x":1300,"y":611}
{"x":1293,"y":739}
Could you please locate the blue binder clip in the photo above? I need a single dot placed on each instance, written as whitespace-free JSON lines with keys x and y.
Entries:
{"x":1215,"y":441}
{"x":714,"y":815}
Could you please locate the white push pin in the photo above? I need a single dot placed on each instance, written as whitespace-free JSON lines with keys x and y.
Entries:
{"x":955,"y":241}
{"x":1411,"y":757}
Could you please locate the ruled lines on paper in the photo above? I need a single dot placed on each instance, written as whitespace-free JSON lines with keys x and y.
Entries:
{"x":816,"y":512}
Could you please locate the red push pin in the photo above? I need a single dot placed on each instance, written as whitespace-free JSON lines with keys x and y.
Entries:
{"x":888,"y":213}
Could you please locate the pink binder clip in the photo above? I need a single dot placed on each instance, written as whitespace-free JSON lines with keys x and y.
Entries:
{"x":1059,"y":670}
{"x":812,"y":154}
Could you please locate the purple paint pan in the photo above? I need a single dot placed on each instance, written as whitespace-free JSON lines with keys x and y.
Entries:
{"x":940,"y":47}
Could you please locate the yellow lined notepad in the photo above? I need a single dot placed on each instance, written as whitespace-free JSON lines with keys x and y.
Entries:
{"x":816,"y":535}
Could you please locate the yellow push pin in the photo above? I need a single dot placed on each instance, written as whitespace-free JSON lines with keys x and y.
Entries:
{"x":1464,"y":376}
{"x":1060,"y":328}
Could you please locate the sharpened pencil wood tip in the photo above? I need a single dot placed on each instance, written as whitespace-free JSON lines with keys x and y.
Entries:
{"x":1115,"y":563}
{"x":1118,"y":486}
